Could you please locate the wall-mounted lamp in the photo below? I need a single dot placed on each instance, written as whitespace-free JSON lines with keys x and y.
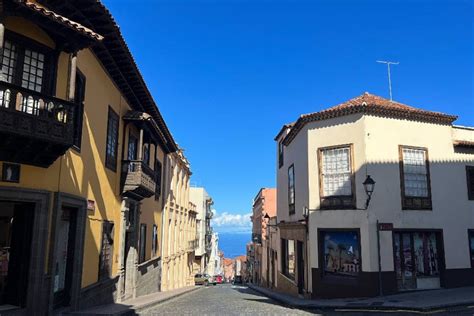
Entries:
{"x":369,"y":186}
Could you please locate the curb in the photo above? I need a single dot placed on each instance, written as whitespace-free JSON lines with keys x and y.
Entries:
{"x":146,"y":306}
{"x":310,"y":306}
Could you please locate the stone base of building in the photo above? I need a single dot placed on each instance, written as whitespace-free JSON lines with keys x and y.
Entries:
{"x":99,"y":293}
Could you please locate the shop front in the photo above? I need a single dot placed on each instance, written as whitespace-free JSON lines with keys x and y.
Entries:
{"x":418,"y":259}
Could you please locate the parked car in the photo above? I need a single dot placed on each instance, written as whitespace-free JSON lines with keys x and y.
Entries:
{"x":201,"y":279}
{"x":211,"y":279}
{"x":219,"y":279}
{"x":238,"y":279}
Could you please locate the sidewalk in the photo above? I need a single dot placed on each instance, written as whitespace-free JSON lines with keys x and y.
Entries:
{"x":420,"y":301}
{"x":136,"y":305}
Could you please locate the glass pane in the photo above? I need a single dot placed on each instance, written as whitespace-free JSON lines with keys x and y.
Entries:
{"x":336,"y":172}
{"x":291,"y":258}
{"x":415,"y":172}
{"x":61,"y":252}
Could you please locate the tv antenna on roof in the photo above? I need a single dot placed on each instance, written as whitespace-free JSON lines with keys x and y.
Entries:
{"x":388,"y":69}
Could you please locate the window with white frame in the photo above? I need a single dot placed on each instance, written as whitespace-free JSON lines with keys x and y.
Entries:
{"x":336,"y":177}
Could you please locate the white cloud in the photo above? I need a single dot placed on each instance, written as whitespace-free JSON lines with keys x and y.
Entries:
{"x":228,"y":222}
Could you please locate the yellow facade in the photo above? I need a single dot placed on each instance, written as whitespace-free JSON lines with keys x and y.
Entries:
{"x":81,"y":175}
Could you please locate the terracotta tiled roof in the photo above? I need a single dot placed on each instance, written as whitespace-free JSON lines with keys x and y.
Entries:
{"x":60,"y":19}
{"x":372,"y":105}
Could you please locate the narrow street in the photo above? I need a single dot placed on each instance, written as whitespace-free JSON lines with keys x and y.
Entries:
{"x":229,"y":299}
{"x":223,"y":300}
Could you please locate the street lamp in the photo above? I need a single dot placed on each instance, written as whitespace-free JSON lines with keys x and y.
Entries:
{"x":369,"y":186}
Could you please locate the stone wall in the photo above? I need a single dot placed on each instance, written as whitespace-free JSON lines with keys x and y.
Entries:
{"x":149,"y":277}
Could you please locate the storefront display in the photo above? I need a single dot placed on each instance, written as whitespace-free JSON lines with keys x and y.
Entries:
{"x":341,"y":253}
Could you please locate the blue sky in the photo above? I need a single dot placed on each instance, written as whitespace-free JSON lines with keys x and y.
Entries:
{"x":227,"y":74}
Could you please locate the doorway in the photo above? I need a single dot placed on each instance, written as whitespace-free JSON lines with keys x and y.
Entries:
{"x":300,"y":268}
{"x":63,"y":267}
{"x":16,"y":230}
{"x":417,"y":257}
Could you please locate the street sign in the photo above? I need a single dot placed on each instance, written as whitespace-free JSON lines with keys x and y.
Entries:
{"x":385,"y":226}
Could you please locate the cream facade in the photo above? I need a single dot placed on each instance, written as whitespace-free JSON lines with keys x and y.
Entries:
{"x":179,"y":226}
{"x":420,"y":162}
{"x":203,"y":202}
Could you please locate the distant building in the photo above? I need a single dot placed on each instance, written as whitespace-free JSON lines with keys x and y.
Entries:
{"x":264,"y":207}
{"x":229,"y":271}
{"x":203,"y":202}
{"x":423,"y":166}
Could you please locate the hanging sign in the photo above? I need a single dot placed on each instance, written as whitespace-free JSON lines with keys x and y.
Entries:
{"x":385,"y":226}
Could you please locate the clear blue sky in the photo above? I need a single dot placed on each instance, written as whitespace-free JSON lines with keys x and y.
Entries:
{"x":227,"y":74}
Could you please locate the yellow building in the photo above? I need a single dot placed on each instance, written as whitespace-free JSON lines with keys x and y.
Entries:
{"x":179,"y":226}
{"x":82,"y":149}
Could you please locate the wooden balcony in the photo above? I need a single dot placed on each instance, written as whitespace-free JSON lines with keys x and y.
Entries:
{"x":35,"y":129}
{"x":138,"y":179}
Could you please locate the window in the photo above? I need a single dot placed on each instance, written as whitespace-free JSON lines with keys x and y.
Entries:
{"x":142,"y":245}
{"x":155,"y":240}
{"x":415,"y":178}
{"x":106,"y":250}
{"x":280,"y":154}
{"x":132,"y":147}
{"x":340,"y":253}
{"x":80,"y":93}
{"x":288,"y":257}
{"x":112,"y":140}
{"x":158,"y":173}
{"x":27,"y":63}
{"x":471,"y":246}
{"x":146,"y":154}
{"x":336,"y":177}
{"x":291,"y":189}
{"x":470,"y":182}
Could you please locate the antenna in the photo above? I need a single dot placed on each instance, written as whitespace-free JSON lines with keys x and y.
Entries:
{"x":388,"y":69}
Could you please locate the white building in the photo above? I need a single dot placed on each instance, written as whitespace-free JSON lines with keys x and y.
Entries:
{"x":423,"y":166}
{"x":199,"y":197}
{"x":214,"y":265}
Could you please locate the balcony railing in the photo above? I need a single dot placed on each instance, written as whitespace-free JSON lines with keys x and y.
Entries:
{"x":34,"y":128}
{"x":138,"y":179}
{"x":193,"y":244}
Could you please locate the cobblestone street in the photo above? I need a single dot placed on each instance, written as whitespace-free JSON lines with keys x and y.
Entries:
{"x":222,"y":300}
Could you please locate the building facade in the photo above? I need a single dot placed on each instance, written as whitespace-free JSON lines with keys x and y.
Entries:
{"x":263,"y":207}
{"x":203,"y":202}
{"x":331,"y":217}
{"x":179,"y":228}
{"x":82,"y":146}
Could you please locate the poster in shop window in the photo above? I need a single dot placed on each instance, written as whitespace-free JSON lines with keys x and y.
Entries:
{"x":341,"y":253}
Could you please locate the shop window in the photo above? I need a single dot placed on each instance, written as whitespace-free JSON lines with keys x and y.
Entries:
{"x":112,"y":140}
{"x":340,"y":253}
{"x":415,"y":178}
{"x":288,"y":257}
{"x":106,"y":250}
{"x":336,"y":177}
{"x":291,"y":189}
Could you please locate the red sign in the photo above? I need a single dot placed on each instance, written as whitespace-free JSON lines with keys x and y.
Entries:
{"x":385,"y":226}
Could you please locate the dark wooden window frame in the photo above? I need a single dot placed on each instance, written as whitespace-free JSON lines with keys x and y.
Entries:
{"x":79,"y":110}
{"x":291,"y":206}
{"x":154,"y":240}
{"x":409,"y":202}
{"x":50,"y":62}
{"x":111,"y":161}
{"x":471,"y":257}
{"x":470,"y":182}
{"x":280,"y":153}
{"x":5,"y":165}
{"x":336,"y":201}
{"x":142,"y":244}
{"x":110,"y":236}
{"x":158,"y":180}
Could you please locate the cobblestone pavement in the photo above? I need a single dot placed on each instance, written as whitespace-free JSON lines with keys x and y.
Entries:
{"x":223,"y":300}
{"x":240,"y":300}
